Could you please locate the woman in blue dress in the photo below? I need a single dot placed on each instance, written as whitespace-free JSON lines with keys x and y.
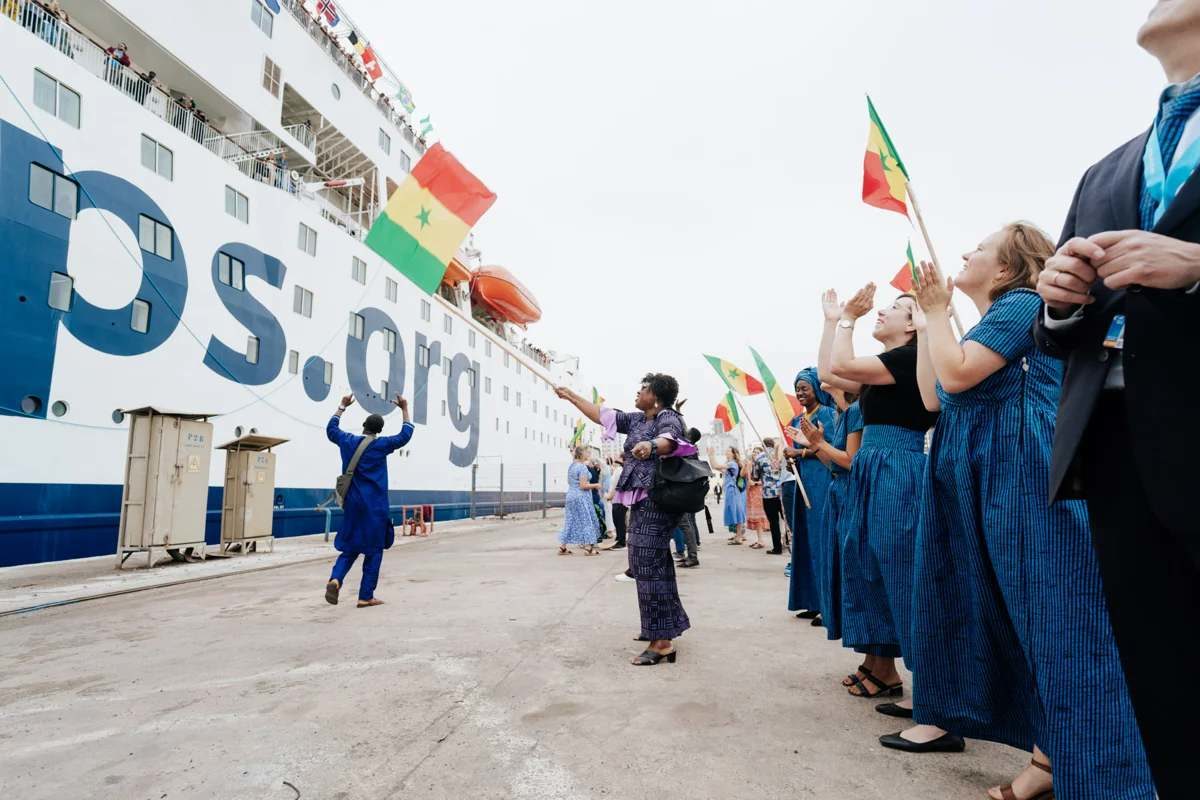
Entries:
{"x":880,"y":518}
{"x":580,"y":523}
{"x":835,"y":449}
{"x":804,"y":595}
{"x":735,"y":494}
{"x":1015,"y":644}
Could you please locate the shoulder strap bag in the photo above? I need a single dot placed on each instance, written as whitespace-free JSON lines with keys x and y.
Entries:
{"x":342,"y":486}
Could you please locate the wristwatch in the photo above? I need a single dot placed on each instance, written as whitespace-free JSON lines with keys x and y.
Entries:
{"x":845,"y":323}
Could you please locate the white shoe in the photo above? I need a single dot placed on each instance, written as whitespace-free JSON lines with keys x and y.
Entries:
{"x":623,"y":578}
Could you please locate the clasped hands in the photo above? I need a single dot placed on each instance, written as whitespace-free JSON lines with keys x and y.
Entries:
{"x":1121,"y":259}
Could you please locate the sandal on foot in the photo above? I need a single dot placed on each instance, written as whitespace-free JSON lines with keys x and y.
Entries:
{"x":331,"y":592}
{"x":1007,"y":793}
{"x":853,"y":678}
{"x":882,"y":689}
{"x":374,"y":601}
{"x":651,"y":657}
{"x":562,"y":551}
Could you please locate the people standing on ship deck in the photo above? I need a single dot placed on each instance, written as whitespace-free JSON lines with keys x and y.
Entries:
{"x":881,"y":504}
{"x":734,"y":491}
{"x":366,"y":527}
{"x":803,"y":596}
{"x":1014,"y":644}
{"x":579,"y":514}
{"x":653,"y":431}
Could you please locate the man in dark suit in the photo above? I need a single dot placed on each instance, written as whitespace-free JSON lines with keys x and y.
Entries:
{"x":1123,"y":309}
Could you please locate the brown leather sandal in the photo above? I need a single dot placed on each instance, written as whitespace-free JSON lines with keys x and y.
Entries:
{"x":1007,"y":793}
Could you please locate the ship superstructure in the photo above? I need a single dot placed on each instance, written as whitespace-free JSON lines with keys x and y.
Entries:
{"x":187,"y":190}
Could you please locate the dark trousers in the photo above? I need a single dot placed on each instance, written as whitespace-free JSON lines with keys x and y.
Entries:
{"x":773,"y":507}
{"x":1151,"y":577}
{"x":619,"y":513}
{"x":370,"y":571}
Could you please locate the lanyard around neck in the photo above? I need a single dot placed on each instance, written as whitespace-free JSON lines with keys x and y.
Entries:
{"x":1161,"y":185}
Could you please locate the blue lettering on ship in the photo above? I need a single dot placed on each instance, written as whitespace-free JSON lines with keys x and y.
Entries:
{"x":35,"y":243}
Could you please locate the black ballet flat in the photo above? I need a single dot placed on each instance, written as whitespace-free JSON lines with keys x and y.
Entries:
{"x":894,"y":710}
{"x":651,"y":657}
{"x":641,"y":638}
{"x":946,"y":743}
{"x":817,"y":622}
{"x":808,"y":614}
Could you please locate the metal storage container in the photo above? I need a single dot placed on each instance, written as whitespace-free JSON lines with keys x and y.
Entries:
{"x":248,"y":504}
{"x":164,"y":502}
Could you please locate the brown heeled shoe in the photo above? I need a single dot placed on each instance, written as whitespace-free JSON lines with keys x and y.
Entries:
{"x":1007,"y":793}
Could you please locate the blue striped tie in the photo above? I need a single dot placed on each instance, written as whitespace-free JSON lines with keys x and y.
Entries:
{"x":1173,"y":118}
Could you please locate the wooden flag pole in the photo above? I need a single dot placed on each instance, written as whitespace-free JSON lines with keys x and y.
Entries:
{"x":916,"y":207}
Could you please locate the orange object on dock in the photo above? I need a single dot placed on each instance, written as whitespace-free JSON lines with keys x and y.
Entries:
{"x":496,"y":289}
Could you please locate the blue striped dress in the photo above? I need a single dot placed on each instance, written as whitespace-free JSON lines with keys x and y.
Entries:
{"x":829,"y":568}
{"x":803,"y":588}
{"x":1014,"y":644}
{"x":880,"y":516}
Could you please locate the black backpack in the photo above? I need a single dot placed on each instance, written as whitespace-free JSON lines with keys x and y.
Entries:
{"x":680,"y":484}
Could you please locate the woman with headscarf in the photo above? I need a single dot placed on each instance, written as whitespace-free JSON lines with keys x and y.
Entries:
{"x":654,"y":431}
{"x":817,"y":405}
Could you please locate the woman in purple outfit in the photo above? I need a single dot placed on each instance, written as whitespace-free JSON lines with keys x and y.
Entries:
{"x":653,"y":431}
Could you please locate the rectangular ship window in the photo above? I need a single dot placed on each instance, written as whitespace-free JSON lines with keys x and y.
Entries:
{"x":405,"y":162}
{"x":389,"y":340}
{"x":357,"y":325}
{"x":426,"y":310}
{"x":302,"y":302}
{"x":157,"y":158}
{"x":140,"y":316}
{"x":423,"y":355}
{"x":487,"y":385}
{"x":389,"y":289}
{"x":307,"y":240}
{"x":237,"y":205}
{"x":52,"y":191}
{"x":155,"y":237}
{"x":262,"y":17}
{"x":358,"y":269}
{"x":231,"y":271}
{"x":62,"y":291}
{"x":272,"y":77}
{"x":252,"y":349}
{"x":293,"y":362}
{"x":471,"y":338}
{"x":328,"y":373}
{"x":385,"y":142}
{"x":52,"y":97}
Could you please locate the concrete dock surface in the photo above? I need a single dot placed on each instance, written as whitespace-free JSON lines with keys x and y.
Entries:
{"x":496,"y":669}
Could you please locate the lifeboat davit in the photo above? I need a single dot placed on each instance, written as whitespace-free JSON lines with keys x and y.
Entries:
{"x":456,"y":273}
{"x":504,"y":296}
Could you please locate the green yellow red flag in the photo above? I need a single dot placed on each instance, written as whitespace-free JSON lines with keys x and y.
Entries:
{"x":906,"y":278}
{"x":736,"y":379}
{"x":785,"y":406}
{"x":885,"y":180}
{"x":428,"y":217}
{"x":578,"y":435}
{"x":727,"y":412}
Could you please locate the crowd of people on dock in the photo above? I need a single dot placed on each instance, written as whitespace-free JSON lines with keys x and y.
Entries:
{"x":1004,"y":510}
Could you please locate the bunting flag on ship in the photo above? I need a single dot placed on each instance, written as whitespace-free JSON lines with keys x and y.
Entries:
{"x":329,"y":11}
{"x":727,"y":413}
{"x":405,"y":98}
{"x":885,"y":180}
{"x":785,"y":406}
{"x":426,"y":126}
{"x":428,"y":217}
{"x":906,"y":278}
{"x":737,"y":380}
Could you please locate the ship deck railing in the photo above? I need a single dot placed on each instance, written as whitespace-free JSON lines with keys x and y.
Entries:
{"x":249,"y":152}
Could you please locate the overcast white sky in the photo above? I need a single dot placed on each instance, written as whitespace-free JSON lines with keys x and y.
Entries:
{"x":684,"y":177}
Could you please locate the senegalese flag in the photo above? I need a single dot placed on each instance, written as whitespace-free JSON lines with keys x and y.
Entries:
{"x":884,"y":177}
{"x":785,"y":406}
{"x":727,"y":412}
{"x":428,"y":217}
{"x":737,"y":380}
{"x":580,"y":426}
{"x":906,"y":278}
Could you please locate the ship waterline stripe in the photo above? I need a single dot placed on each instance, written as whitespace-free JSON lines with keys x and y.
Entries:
{"x":426,"y":219}
{"x":406,"y":254}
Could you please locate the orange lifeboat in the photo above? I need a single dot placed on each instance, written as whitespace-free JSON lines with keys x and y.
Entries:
{"x":456,"y":273}
{"x":504,"y":296}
